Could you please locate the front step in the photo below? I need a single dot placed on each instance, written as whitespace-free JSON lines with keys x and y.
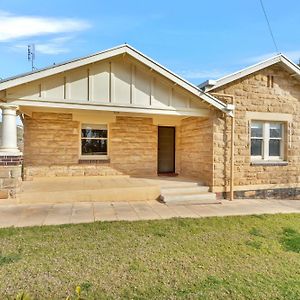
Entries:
{"x":192,"y":194}
{"x":184,"y":190}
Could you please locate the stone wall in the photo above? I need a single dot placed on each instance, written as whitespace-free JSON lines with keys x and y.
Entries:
{"x":52,"y":144}
{"x":10,"y":176}
{"x":50,"y":139}
{"x":133,"y":145}
{"x":252,"y":94}
{"x":197,"y":149}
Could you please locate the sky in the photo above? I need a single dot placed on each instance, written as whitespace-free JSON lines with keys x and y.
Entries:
{"x":198,"y":40}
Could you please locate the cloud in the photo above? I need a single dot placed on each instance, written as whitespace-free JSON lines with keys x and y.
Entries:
{"x":202,"y":74}
{"x":293,"y":55}
{"x":16,"y":27}
{"x":51,"y":47}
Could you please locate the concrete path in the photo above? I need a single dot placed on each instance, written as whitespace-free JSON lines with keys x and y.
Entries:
{"x":84,"y":212}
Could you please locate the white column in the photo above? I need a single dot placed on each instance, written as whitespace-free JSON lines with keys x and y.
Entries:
{"x":9,"y":130}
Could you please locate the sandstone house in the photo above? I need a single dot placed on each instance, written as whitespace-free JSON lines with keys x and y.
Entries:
{"x":118,"y":112}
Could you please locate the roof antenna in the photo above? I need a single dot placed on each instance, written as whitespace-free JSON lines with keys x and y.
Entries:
{"x":31,"y":55}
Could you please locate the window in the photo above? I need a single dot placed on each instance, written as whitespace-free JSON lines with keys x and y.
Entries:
{"x":94,"y":140}
{"x":267,"y":140}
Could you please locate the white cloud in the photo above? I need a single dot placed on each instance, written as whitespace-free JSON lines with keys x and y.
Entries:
{"x":293,"y":55}
{"x":53,"y":46}
{"x":201,"y":74}
{"x":14,"y":27}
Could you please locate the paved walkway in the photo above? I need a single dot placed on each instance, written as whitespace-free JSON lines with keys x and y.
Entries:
{"x":85,"y":212}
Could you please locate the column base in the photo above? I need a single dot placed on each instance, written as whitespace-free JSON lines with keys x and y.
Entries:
{"x":10,"y":181}
{"x":10,"y":152}
{"x":10,"y":174}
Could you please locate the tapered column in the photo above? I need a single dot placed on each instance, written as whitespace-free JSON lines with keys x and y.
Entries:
{"x":10,"y":156}
{"x":9,"y":130}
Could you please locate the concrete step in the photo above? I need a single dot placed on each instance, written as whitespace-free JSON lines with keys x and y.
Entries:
{"x":167,"y":185}
{"x":188,"y":195}
{"x":185,"y":190}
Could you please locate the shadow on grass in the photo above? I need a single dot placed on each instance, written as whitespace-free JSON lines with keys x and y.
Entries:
{"x":254,"y":244}
{"x":8,"y":259}
{"x":291,"y":240}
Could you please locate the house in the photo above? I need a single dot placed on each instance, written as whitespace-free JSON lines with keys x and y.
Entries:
{"x":123,"y":113}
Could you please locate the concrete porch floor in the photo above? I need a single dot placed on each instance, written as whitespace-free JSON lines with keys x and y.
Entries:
{"x":96,"y":188}
{"x":20,"y":215}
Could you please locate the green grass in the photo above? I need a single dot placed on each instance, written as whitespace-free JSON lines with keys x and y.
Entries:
{"x":250,"y":257}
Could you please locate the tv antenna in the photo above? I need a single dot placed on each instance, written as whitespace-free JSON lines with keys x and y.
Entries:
{"x":31,"y":55}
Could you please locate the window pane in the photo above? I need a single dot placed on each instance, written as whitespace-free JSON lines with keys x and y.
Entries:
{"x":256,"y":129}
{"x":256,"y":147}
{"x":274,"y":147}
{"x":93,"y":147}
{"x":94,"y":133}
{"x":275,"y":130}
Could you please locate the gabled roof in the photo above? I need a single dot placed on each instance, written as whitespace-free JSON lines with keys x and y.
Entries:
{"x":290,"y":66}
{"x":119,"y":50}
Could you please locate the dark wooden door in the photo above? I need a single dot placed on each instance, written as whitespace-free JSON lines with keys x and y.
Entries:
{"x":166,"y":149}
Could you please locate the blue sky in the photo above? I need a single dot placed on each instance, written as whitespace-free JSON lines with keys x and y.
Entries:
{"x":197,"y":39}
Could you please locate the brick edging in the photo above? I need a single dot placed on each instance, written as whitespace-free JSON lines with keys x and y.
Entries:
{"x":10,"y":160}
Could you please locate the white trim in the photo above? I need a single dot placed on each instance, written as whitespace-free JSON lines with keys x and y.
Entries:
{"x":265,"y":157}
{"x":199,"y":112}
{"x":268,"y":116}
{"x":211,"y":85}
{"x":122,"y":49}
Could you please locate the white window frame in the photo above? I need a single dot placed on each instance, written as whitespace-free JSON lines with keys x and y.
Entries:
{"x":93,"y":157}
{"x":266,"y":138}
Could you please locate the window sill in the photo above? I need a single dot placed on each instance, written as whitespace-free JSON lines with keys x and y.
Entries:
{"x":94,"y":160}
{"x":269,"y":163}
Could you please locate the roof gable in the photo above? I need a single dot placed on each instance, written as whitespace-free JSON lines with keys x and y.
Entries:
{"x":120,"y":50}
{"x":281,"y":59}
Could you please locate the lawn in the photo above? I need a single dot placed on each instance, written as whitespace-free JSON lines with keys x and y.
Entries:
{"x":249,"y":257}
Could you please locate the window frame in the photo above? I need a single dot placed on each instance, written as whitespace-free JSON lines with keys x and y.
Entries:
{"x":93,"y":157}
{"x":265,"y":157}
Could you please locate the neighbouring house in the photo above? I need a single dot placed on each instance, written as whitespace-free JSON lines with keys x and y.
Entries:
{"x":123,"y":113}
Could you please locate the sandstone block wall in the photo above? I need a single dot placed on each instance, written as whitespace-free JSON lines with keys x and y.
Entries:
{"x":133,"y":146}
{"x":52,"y":147}
{"x":197,"y":149}
{"x":252,"y":93}
{"x":50,"y":138}
{"x":10,"y":181}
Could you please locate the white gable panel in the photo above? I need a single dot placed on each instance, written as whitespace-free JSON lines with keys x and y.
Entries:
{"x":123,"y":51}
{"x":78,"y":81}
{"x":122,"y":82}
{"x":118,"y":83}
{"x":142,"y":88}
{"x":196,"y":104}
{"x":100,"y":74}
{"x":180,"y":100}
{"x":53,"y":87}
{"x":161,"y":93}
{"x":25,"y":91}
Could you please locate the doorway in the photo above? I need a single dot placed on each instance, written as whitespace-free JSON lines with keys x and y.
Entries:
{"x":166,"y":150}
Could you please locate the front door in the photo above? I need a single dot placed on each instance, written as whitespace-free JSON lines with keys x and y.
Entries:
{"x":166,"y":149}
